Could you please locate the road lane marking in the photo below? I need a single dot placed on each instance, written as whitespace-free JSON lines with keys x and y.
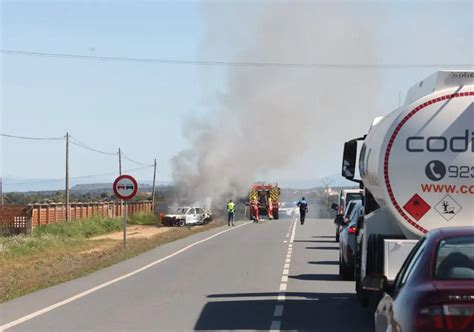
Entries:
{"x":281,"y":297}
{"x":293,"y":233}
{"x":278,"y":311}
{"x":110,"y":282}
{"x":276,"y":325}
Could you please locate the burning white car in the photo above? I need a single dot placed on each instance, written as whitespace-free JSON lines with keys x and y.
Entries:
{"x":184,"y":216}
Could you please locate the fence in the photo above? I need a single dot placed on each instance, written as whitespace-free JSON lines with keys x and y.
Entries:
{"x":44,"y":214}
{"x":15,"y":219}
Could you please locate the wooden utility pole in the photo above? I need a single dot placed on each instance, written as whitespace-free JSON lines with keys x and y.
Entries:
{"x":153,"y":190}
{"x":68,"y":217}
{"x":120,"y":161}
{"x":121,"y":201}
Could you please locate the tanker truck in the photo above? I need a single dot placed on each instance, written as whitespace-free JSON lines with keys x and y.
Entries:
{"x":416,"y":166}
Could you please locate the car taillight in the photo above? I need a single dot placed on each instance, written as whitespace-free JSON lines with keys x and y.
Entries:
{"x":450,"y":317}
{"x":352,"y":229}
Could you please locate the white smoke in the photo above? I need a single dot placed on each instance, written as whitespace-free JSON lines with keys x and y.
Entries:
{"x":269,"y":116}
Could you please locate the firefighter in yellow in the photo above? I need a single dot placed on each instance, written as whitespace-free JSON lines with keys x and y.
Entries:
{"x":230,"y":212}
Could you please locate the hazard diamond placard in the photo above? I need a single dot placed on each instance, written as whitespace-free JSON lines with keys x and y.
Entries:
{"x":416,"y":207}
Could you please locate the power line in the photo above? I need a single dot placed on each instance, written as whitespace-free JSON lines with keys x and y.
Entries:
{"x":134,"y":161}
{"x":75,"y":177}
{"x":33,"y":138}
{"x":85,"y":146}
{"x":235,"y":63}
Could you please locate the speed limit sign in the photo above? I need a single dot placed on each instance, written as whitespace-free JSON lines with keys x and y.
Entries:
{"x":125,"y":187}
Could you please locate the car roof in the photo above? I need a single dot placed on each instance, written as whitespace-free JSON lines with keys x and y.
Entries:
{"x":451,"y":231}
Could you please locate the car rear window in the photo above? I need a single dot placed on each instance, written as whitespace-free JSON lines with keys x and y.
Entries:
{"x":455,"y":259}
{"x":352,"y":196}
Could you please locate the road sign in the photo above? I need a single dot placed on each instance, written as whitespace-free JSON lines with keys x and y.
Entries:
{"x":125,"y":187}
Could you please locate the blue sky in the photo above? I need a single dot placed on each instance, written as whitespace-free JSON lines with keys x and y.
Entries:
{"x":141,"y":107}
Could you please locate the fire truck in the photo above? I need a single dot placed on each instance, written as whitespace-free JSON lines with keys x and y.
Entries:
{"x":264,"y":200}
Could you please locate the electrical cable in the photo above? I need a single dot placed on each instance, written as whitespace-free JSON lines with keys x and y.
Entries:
{"x":234,"y":63}
{"x":33,"y":138}
{"x":74,"y":177}
{"x":76,"y":142}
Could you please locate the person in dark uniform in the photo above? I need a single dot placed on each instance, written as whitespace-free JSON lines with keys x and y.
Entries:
{"x":303,"y":205}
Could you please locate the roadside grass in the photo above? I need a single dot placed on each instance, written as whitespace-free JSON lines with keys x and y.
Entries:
{"x":49,"y":257}
{"x":80,"y":229}
{"x":144,"y":218}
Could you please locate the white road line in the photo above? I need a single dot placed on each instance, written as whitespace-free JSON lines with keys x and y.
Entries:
{"x":278,"y":311}
{"x":293,"y":233}
{"x":108,"y":283}
{"x":276,"y":325}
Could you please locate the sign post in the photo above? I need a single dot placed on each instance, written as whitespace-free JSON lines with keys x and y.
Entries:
{"x":125,"y":187}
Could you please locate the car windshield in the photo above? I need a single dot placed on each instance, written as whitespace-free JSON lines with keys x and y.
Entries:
{"x":181,"y":210}
{"x":455,"y":259}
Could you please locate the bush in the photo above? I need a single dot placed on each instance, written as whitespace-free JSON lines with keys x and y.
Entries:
{"x":144,"y":218}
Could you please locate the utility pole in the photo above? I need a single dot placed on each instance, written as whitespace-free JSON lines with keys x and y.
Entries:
{"x":1,"y":189}
{"x":120,"y":161}
{"x":121,"y":201}
{"x":153,"y":190}
{"x":68,"y":217}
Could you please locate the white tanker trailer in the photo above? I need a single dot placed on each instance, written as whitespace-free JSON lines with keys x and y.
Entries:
{"x":417,"y":168}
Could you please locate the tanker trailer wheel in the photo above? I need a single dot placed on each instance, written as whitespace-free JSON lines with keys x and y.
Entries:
{"x":375,"y":256}
{"x":361,"y":295}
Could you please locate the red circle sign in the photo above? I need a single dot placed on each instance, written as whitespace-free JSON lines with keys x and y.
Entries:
{"x":125,"y":187}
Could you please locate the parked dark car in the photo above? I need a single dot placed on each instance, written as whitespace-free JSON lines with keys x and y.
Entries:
{"x":345,"y":197}
{"x":434,"y":290}
{"x":348,"y":241}
{"x":343,"y":219}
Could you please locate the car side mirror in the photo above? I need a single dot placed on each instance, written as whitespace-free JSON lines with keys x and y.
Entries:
{"x":334,"y":206}
{"x":349,"y":159}
{"x":375,"y":283}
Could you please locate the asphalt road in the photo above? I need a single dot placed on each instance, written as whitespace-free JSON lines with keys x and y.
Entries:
{"x":252,"y":277}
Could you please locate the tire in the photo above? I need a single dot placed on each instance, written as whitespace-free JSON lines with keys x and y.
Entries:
{"x":275,"y":214}
{"x":182,"y":223}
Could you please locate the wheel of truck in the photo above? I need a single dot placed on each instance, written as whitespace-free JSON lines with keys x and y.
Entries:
{"x":182,"y":223}
{"x":275,"y":214}
{"x":361,"y":295}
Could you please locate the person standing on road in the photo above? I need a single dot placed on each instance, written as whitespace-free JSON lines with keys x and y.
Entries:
{"x":231,"y":212}
{"x":303,"y":205}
